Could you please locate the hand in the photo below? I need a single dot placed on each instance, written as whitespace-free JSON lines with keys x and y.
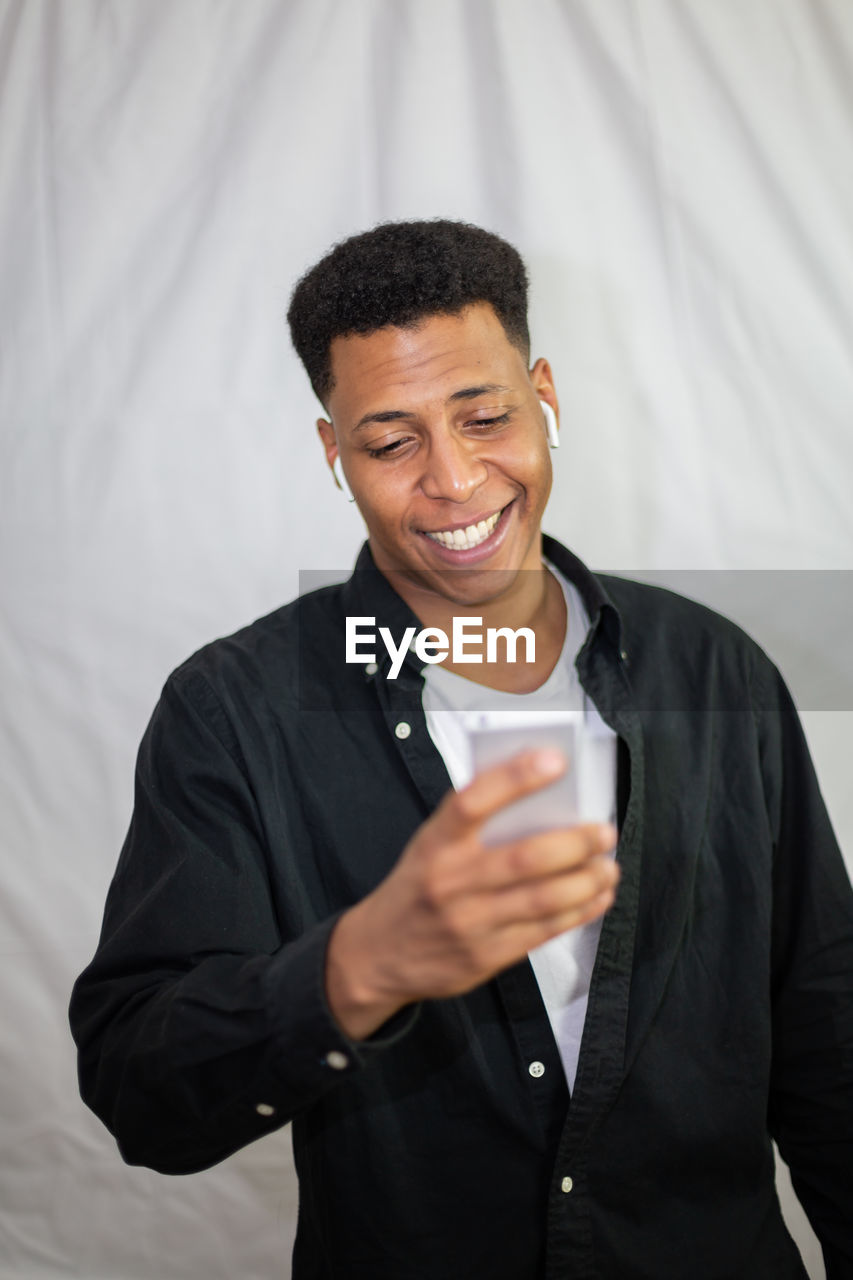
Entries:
{"x":454,"y":912}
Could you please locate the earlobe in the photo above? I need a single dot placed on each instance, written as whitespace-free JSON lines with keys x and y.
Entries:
{"x":338,"y":473}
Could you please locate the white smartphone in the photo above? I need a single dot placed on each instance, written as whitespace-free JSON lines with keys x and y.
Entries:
{"x":558,"y":804}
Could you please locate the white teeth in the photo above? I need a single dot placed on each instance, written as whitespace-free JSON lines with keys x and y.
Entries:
{"x":466,"y":539}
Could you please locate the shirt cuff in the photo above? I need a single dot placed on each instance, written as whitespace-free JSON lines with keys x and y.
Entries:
{"x":309,"y":1050}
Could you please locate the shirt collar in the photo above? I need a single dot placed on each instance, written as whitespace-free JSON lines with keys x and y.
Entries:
{"x":601,"y":609}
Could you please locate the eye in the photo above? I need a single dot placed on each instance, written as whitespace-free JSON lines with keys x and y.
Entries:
{"x":389,"y":450}
{"x":488,"y":424}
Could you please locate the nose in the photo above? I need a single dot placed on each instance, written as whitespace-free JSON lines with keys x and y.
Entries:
{"x":452,"y":470}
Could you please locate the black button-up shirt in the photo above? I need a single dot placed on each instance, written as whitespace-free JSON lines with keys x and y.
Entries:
{"x":275,"y":788}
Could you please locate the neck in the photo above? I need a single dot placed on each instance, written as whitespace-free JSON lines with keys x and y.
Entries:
{"x":533,"y":600}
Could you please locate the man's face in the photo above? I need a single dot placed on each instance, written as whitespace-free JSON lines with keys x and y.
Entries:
{"x":442,"y":439}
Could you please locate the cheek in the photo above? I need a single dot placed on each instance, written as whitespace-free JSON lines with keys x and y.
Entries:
{"x":532,"y":468}
{"x":383,"y":503}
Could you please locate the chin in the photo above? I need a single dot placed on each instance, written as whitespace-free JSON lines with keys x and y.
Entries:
{"x":470,"y":587}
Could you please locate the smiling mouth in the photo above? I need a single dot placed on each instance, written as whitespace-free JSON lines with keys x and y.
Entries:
{"x":469,"y":537}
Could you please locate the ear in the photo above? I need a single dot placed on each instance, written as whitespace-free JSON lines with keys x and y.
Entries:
{"x":327,"y":434}
{"x":330,"y":444}
{"x":543,"y":384}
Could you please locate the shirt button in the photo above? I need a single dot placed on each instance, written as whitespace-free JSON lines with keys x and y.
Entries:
{"x":536,"y":1069}
{"x":403,"y":729}
{"x":371,"y":668}
{"x":566,"y":1185}
{"x":336,"y":1060}
{"x":264,"y":1109}
{"x":623,"y":654}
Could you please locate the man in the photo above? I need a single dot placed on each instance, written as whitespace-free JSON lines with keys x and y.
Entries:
{"x":496,"y":1062}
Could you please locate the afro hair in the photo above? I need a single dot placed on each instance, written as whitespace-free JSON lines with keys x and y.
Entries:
{"x":397,"y":274}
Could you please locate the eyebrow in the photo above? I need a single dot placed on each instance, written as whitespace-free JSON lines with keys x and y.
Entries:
{"x":466,"y":393}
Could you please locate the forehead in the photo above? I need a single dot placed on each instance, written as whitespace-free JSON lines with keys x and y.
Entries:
{"x":431,"y":359}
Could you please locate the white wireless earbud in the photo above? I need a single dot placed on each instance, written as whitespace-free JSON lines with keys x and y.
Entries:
{"x":551,"y":429}
{"x":338,"y":473}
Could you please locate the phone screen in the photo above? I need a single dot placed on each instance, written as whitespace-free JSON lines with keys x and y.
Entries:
{"x":558,"y":804}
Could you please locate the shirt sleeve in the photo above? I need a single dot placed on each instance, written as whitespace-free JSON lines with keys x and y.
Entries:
{"x":199,"y":1026}
{"x":811,"y":1100}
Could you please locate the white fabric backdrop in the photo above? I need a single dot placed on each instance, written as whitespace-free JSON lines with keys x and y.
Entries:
{"x":679,"y":175}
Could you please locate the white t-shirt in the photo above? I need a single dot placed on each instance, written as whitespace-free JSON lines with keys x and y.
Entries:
{"x":453,"y":705}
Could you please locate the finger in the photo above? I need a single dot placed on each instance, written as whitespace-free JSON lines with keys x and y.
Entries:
{"x":518,"y":939}
{"x":544,"y":854}
{"x":553,"y":897}
{"x":596,"y":907}
{"x":463,"y":810}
